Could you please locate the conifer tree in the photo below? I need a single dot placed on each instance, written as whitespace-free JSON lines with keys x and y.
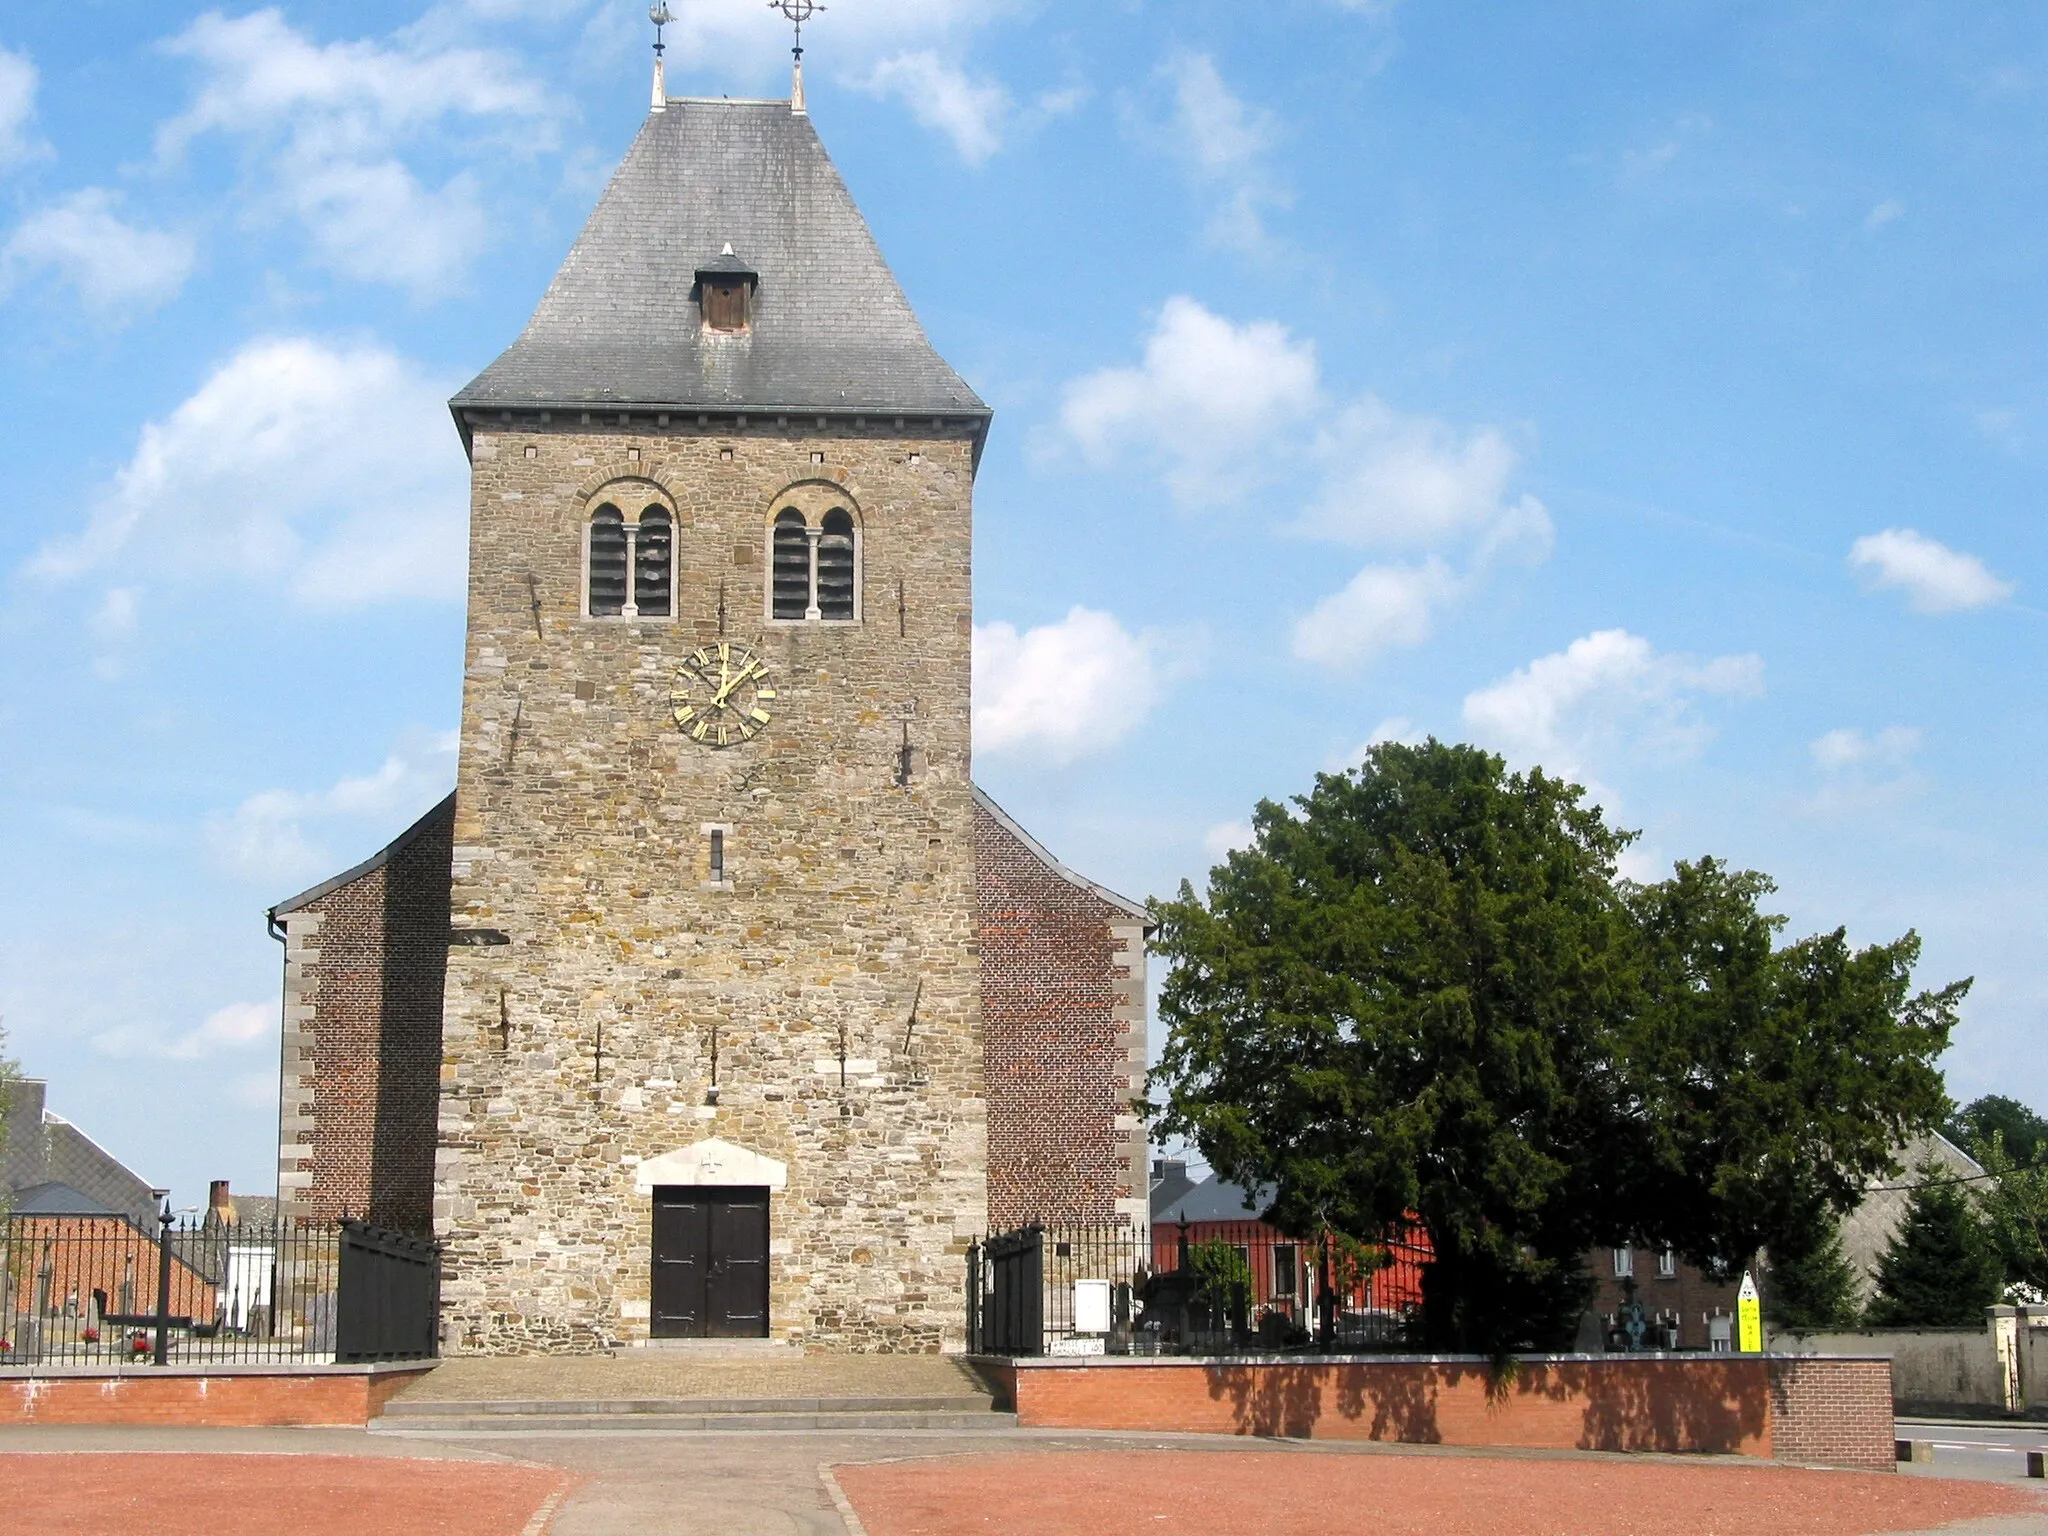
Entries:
{"x":1941,"y":1270}
{"x":1811,"y":1286}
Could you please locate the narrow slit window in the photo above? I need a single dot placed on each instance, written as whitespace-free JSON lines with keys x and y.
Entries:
{"x":792,"y":566}
{"x":654,"y":565}
{"x":836,"y":567}
{"x":718,"y":858}
{"x":607,"y":556}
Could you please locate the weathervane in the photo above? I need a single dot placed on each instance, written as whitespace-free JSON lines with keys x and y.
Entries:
{"x":798,"y":12}
{"x":658,"y":13}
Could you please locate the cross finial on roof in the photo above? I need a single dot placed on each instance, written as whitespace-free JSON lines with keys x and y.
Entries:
{"x":798,"y":12}
{"x":658,"y":13}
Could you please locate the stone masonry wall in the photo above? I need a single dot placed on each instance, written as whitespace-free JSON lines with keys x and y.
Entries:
{"x":1062,"y":985}
{"x":830,"y":981}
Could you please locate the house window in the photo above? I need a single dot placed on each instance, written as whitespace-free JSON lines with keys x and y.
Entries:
{"x":1624,"y":1263}
{"x":1285,"y":1268}
{"x":814,"y":571}
{"x":1667,"y":1264}
{"x":630,"y":567}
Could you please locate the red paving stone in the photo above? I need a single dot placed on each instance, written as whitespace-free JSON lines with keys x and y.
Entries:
{"x":93,"y":1495}
{"x":1115,"y":1493}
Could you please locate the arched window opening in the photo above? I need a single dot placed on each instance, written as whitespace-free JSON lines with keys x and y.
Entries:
{"x":792,"y":562}
{"x":654,"y":565}
{"x":835,"y":567}
{"x":607,"y":556}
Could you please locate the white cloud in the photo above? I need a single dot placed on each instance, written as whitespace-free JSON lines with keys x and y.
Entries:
{"x":943,"y":96}
{"x":237,"y":1027}
{"x":1062,"y":691}
{"x":115,"y":618}
{"x":1884,"y":213}
{"x":1384,"y":607}
{"x":365,"y":492}
{"x":1935,"y":578}
{"x":335,"y":118}
{"x":1203,"y":404}
{"x":1610,"y":690}
{"x":1223,"y":143}
{"x":1399,"y":479}
{"x":281,"y":836}
{"x":1220,"y":842}
{"x":113,"y":265}
{"x":1837,"y":750}
{"x":17,"y":106}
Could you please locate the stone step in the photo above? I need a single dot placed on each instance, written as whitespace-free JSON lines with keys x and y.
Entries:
{"x":716,"y":1349}
{"x":410,"y":1408}
{"x":835,"y":1421}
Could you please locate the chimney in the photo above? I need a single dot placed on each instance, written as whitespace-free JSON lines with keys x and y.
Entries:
{"x":219,"y":1203}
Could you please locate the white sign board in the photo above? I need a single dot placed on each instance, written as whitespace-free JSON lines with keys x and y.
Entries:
{"x":1091,"y":1306}
{"x":1079,"y":1347}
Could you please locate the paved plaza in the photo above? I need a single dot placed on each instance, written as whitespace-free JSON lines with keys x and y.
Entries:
{"x":66,"y":1482}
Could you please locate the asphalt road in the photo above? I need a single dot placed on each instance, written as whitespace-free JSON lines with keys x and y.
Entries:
{"x":1989,"y":1452}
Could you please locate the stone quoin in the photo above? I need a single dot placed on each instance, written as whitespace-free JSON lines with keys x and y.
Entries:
{"x":716,"y":1000}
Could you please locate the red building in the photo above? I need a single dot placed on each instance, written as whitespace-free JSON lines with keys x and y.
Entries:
{"x":1372,"y":1292}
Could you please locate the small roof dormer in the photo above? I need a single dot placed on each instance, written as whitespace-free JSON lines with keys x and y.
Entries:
{"x":725,"y":293}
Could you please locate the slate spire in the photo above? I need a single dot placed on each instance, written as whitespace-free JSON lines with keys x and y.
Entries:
{"x":622,"y":324}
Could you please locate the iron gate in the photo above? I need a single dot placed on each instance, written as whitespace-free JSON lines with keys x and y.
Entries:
{"x":387,"y":1296}
{"x":1010,"y":1298}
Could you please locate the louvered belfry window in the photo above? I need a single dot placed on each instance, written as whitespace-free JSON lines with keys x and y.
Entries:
{"x":607,"y":563}
{"x":835,"y":567}
{"x":654,"y":564}
{"x":792,"y":578}
{"x":815,"y":572}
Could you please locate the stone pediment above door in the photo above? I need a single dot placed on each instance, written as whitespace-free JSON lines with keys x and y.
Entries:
{"x":710,"y":1162}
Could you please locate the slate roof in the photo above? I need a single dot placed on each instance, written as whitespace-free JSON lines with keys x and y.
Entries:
{"x":55,"y":1200}
{"x":1215,"y":1199}
{"x":44,"y":1149}
{"x":831,"y":332}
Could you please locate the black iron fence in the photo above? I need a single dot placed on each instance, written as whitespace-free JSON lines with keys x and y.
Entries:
{"x":1192,"y":1288}
{"x":100,"y":1290}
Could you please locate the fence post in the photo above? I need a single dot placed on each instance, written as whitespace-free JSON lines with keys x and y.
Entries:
{"x":974,"y":1297}
{"x":163,"y":1286}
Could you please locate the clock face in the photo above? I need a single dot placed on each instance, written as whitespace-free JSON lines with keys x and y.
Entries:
{"x":721,"y":694}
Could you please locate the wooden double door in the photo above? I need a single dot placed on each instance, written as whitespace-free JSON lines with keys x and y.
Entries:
{"x":710,"y":1264}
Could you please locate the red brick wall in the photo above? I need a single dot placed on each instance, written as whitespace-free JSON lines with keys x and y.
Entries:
{"x":1716,"y":1405}
{"x":202,"y":1402}
{"x":383,"y":960}
{"x":1820,"y":1412}
{"x":1834,"y":1413}
{"x":1058,"y":1071}
{"x":85,"y":1252}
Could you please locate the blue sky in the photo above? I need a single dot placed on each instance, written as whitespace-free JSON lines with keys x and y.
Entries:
{"x":1653,"y":392}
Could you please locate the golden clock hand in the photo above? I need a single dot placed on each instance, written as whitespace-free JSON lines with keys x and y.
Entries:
{"x":718,"y":701}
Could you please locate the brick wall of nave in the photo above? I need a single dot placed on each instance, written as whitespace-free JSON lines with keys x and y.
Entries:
{"x":844,"y":933}
{"x":1063,"y":1000}
{"x":366,"y":967}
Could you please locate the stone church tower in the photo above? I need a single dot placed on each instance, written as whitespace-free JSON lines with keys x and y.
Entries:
{"x":722,"y":902}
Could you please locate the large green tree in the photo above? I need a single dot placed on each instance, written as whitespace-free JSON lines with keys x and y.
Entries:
{"x":1977,"y":1124}
{"x":1773,"y":1082}
{"x":1423,"y":989}
{"x":1941,"y":1269}
{"x":2014,"y":1203}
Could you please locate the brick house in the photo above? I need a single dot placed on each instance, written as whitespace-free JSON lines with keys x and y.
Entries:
{"x":1284,"y":1266}
{"x":717,"y":1000}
